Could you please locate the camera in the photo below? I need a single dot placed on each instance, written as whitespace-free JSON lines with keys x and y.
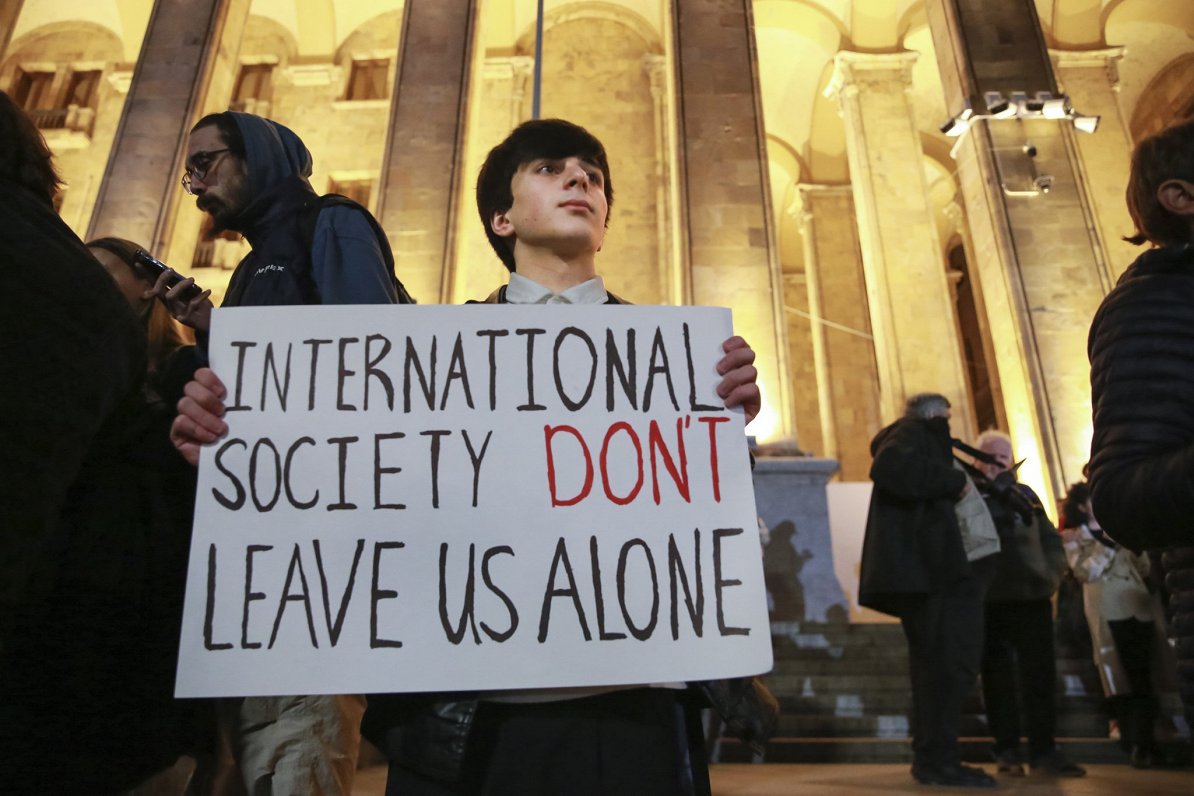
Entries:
{"x":1043,"y":183}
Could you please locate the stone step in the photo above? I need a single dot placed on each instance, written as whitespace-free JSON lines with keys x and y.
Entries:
{"x":974,"y":750}
{"x":901,"y":701}
{"x":1077,"y":725}
{"x":806,"y":685}
{"x":892,"y":664}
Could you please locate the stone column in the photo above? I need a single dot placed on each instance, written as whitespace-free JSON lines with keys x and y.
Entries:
{"x":843,"y":346}
{"x":1037,"y":255}
{"x":420,"y":174}
{"x":10,"y":12}
{"x":186,"y":69}
{"x":912,"y":317}
{"x":656,"y":68}
{"x":727,"y":220}
{"x":1091,"y":79}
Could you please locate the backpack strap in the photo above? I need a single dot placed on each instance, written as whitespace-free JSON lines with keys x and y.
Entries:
{"x":309,"y":216}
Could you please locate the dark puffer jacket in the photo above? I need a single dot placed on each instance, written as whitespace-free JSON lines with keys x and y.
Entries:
{"x":1141,"y":351}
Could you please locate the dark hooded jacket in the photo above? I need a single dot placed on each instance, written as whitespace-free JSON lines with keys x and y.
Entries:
{"x":1141,"y":349}
{"x":341,"y":262}
{"x":912,"y":546}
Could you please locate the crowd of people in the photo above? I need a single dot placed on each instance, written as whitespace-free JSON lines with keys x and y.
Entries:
{"x":108,"y":401}
{"x":973,"y":582}
{"x":108,"y":390}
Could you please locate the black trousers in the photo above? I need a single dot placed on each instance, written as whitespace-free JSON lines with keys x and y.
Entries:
{"x":1137,"y":710}
{"x":624,"y":742}
{"x":945,"y":644}
{"x":1019,"y":665}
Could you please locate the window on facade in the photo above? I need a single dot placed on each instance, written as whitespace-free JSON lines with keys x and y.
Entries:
{"x":368,"y":79}
{"x":32,"y":90}
{"x":82,"y":89}
{"x":359,"y":191}
{"x":970,"y":330}
{"x":253,"y":86}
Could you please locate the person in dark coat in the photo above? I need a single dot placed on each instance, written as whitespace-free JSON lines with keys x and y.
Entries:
{"x":1141,"y":350}
{"x":72,"y":364}
{"x":914,"y":566}
{"x":1018,"y":654}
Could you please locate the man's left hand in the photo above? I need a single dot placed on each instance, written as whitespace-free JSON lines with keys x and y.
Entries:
{"x":739,"y":377}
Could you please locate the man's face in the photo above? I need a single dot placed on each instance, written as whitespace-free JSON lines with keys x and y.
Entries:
{"x":1002,"y":451}
{"x":223,"y":189}
{"x":558,"y":205}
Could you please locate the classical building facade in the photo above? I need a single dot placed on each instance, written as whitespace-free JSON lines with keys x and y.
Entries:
{"x":893,"y":195}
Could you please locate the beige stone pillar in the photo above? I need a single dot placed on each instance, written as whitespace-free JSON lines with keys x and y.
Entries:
{"x":420,"y":174}
{"x":186,"y":69}
{"x":729,"y":239}
{"x":843,"y":346}
{"x":665,"y":156}
{"x":1038,"y":260}
{"x":912,"y":317}
{"x":1091,"y":79}
{"x":10,"y":12}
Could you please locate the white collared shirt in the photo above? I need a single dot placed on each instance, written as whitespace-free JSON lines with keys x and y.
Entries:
{"x":527,"y":291}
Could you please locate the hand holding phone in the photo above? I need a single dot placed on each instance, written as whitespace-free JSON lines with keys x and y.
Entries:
{"x":154,"y":268}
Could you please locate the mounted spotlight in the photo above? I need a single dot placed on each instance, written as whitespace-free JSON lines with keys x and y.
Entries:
{"x":954,"y":127}
{"x":1085,"y":124}
{"x":1056,"y":107}
{"x":997,"y":106}
{"x":959,"y":123}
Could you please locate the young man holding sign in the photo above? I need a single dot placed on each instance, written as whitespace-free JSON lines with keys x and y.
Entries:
{"x":544,"y":196}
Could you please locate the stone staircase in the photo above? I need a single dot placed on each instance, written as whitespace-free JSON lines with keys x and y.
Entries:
{"x":844,"y":695}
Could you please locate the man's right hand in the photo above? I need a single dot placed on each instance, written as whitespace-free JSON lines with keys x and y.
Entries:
{"x":200,"y":410}
{"x":195,"y":312}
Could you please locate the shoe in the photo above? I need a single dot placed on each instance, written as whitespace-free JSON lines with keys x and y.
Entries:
{"x":1143,"y":757}
{"x":1007,"y":762}
{"x":1056,"y":764}
{"x":954,"y":776}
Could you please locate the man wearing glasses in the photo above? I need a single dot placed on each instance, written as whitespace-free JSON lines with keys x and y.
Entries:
{"x":251,"y":176}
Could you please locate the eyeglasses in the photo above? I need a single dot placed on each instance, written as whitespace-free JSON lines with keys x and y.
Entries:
{"x":201,"y":163}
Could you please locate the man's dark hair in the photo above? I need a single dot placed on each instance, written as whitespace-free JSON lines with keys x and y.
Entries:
{"x":1168,"y":155}
{"x":229,"y":131}
{"x":926,"y":404}
{"x":540,"y":138}
{"x":24,"y":156}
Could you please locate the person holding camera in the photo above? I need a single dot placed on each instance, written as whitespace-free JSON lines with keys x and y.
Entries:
{"x":915,"y":566}
{"x":1018,"y":655}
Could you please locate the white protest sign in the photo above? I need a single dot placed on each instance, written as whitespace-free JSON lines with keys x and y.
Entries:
{"x":459,"y":498}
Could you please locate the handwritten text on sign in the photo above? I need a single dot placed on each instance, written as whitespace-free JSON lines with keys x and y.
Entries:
{"x":487,"y":497}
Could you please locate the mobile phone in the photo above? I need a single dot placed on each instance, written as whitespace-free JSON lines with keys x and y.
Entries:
{"x":154,"y":268}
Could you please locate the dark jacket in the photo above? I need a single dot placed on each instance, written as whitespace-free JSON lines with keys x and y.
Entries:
{"x":912,"y":546}
{"x":1031,"y":557}
{"x":344,"y":259}
{"x":95,"y":507}
{"x":71,"y":354}
{"x":1141,"y":349}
